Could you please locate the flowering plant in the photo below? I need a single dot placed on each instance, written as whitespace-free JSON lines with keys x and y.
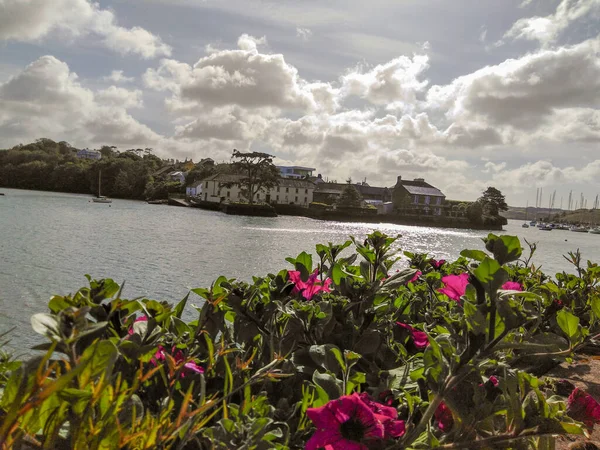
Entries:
{"x":362,"y":348}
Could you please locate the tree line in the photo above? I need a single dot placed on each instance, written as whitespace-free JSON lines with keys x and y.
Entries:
{"x":54,"y":166}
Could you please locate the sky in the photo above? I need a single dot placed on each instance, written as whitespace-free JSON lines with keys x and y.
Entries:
{"x":466,"y":94}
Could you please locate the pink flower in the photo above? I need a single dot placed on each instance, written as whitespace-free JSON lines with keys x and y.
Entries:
{"x":455,"y":285}
{"x":387,"y":415}
{"x":139,"y":319}
{"x":158,"y":356}
{"x":583,"y":407}
{"x":178,"y":357}
{"x":437,"y":264}
{"x":444,"y":418}
{"x":344,"y":424}
{"x":192,"y":367}
{"x":420,"y":338}
{"x":415,"y":277}
{"x":512,"y":286}
{"x":309,"y":288}
{"x":494,"y":381}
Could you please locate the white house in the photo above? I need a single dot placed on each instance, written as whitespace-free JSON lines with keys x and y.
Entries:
{"x":289,"y":191}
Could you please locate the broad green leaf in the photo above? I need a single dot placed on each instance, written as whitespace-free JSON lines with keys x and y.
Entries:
{"x":477,"y":255}
{"x":46,"y":325}
{"x":331,"y":385}
{"x":568,"y":323}
{"x":595,"y":305}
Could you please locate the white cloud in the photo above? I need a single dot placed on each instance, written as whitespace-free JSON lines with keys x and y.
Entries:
{"x":303,"y":33}
{"x":244,"y":77}
{"x":524,"y":92}
{"x":547,"y":29}
{"x":117,"y":76}
{"x":394,"y":83}
{"x":46,"y":99}
{"x":120,"y":97}
{"x":32,"y":20}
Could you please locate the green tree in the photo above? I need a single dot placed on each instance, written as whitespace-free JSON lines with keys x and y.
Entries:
{"x":493,"y":201}
{"x":257,"y":170}
{"x":350,"y":197}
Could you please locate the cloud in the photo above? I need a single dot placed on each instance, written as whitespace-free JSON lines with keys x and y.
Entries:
{"x":244,"y":77}
{"x":303,"y":33}
{"x":120,"y":97}
{"x":394,"y":83}
{"x":524,"y":92}
{"x":46,"y":99}
{"x":546,"y":30}
{"x":117,"y":76}
{"x":32,"y":20}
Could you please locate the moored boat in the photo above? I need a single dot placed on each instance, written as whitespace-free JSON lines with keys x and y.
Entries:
{"x":100,"y":198}
{"x":577,"y":229}
{"x":595,"y":230}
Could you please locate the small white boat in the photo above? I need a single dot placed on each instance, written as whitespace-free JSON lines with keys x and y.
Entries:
{"x":579,"y":229}
{"x":100,"y":198}
{"x":595,"y":230}
{"x":525,"y":225}
{"x":545,"y":227}
{"x":533,"y":223}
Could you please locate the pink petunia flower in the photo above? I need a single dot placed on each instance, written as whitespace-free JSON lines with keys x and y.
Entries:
{"x":139,"y":319}
{"x":444,"y":418}
{"x":512,"y":286}
{"x":420,"y":338}
{"x":309,"y":288}
{"x":388,"y":416}
{"x":178,"y":357}
{"x":455,"y":285}
{"x":344,"y":424}
{"x":494,"y":381}
{"x":416,"y":276}
{"x":437,"y":263}
{"x":583,"y":407}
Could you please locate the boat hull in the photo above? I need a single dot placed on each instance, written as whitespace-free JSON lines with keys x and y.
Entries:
{"x":102,"y":200}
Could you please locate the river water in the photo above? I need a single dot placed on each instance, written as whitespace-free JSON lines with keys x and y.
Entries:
{"x":49,"y":241}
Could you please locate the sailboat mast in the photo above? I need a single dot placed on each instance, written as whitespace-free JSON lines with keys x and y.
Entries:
{"x":100,"y":183}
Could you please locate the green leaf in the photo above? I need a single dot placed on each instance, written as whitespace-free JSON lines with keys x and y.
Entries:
{"x":305,"y":260}
{"x":476,"y":320}
{"x":568,"y":323}
{"x":595,"y":305}
{"x":490,"y":274}
{"x":331,"y":385}
{"x":433,"y":362}
{"x":337,"y":274}
{"x":181,"y":306}
{"x":477,"y":255}
{"x":46,"y":325}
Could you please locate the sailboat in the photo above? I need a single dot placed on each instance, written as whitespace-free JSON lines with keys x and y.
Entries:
{"x":526,"y":225}
{"x":100,"y":198}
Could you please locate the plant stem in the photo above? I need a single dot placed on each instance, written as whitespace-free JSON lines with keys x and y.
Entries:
{"x":496,"y":441}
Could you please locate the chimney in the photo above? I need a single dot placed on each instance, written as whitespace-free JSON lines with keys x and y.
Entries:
{"x":399,"y":181}
{"x":320,"y":177}
{"x":421,"y":180}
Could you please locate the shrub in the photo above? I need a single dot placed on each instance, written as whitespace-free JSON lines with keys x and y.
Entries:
{"x":344,"y":350}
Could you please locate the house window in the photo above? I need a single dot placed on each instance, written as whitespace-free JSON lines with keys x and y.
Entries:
{"x":277,"y":188}
{"x":257,"y":196}
{"x":296,"y":198}
{"x":438,"y":201}
{"x":416,"y":199}
{"x":228,"y":194}
{"x":287,"y":189}
{"x":305,"y":200}
{"x":306,"y":191}
{"x":206,"y":184}
{"x":427,"y":199}
{"x":278,"y":197}
{"x":296,"y":190}
{"x":205,"y":195}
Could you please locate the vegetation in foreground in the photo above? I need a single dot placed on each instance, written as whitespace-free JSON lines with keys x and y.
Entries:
{"x":345,"y":352}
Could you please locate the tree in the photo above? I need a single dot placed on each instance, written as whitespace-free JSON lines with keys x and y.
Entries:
{"x":350,"y":197}
{"x":493,"y":201}
{"x":257,"y":170}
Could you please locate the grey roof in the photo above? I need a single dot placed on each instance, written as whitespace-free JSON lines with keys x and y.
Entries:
{"x":296,"y":183}
{"x":223,"y":178}
{"x":423,"y":190}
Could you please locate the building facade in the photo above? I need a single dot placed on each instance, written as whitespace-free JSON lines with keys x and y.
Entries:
{"x":88,"y":154}
{"x":329,"y":193}
{"x":223,"y":188}
{"x":295,"y":171}
{"x":417,"y":197}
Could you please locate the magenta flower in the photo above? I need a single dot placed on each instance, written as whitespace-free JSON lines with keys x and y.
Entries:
{"x":178,"y":357}
{"x":512,"y":286}
{"x":139,"y":319}
{"x":494,"y":381}
{"x":344,"y":424}
{"x":415,"y":277}
{"x":192,"y":367}
{"x":455,"y":285}
{"x":444,"y":418}
{"x":420,"y":338}
{"x":388,"y":416}
{"x":583,"y":407}
{"x":309,"y":288}
{"x":437,"y":263}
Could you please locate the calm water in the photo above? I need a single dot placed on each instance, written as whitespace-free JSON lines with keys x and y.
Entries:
{"x":48,"y":241}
